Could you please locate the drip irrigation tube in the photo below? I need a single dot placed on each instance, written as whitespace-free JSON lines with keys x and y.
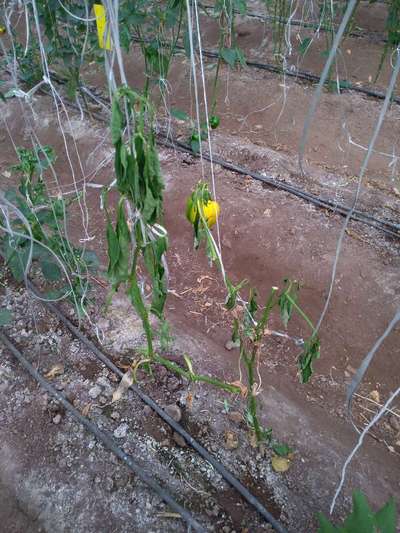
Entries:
{"x":297,"y":22}
{"x":225,"y":473}
{"x":387,"y":227}
{"x":307,"y":76}
{"x":103,"y":437}
{"x":298,"y":74}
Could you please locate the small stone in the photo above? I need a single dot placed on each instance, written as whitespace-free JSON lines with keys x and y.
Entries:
{"x":57,"y":419}
{"x":115,"y":415}
{"x":121,"y":431}
{"x":161,"y":371}
{"x":121,"y":481}
{"x":231,"y":440}
{"x":394,"y":421}
{"x":180,"y":441}
{"x":147,"y":410}
{"x":230,"y":345}
{"x":214,"y":511}
{"x":165,"y":443}
{"x":102,"y":400}
{"x":109,"y":484}
{"x":226,"y":529}
{"x":103,"y":324}
{"x":235,"y":416}
{"x":103,"y":382}
{"x":174,"y":412}
{"x":94,"y":392}
{"x":173,"y":384}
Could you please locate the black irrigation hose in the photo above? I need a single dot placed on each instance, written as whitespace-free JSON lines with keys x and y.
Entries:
{"x":387,"y":227}
{"x":307,"y":76}
{"x":298,"y":74}
{"x":297,"y":22}
{"x":103,"y":437}
{"x":391,"y":229}
{"x":225,"y":473}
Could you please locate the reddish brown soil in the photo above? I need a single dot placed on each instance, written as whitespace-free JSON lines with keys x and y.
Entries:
{"x":269,"y":235}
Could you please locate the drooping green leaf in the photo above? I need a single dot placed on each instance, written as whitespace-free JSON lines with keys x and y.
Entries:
{"x":116,"y":122}
{"x":153,"y":253}
{"x":51,"y":271}
{"x":113,"y":250}
{"x":386,"y":518}
{"x":229,"y":55}
{"x":281,"y":449}
{"x":325,"y":526}
{"x":179,"y":114}
{"x":304,"y":44}
{"x":5,"y":317}
{"x":233,"y":293}
{"x":311,"y":352}
{"x":361,"y":520}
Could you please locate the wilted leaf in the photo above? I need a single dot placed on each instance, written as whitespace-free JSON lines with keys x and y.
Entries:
{"x":241,"y":386}
{"x":231,"y":440}
{"x":57,"y":370}
{"x":179,"y":114}
{"x":51,"y":271}
{"x":86,"y":409}
{"x":281,"y":449}
{"x":125,"y":383}
{"x":280,"y":464}
{"x":189,"y":364}
{"x":5,"y":317}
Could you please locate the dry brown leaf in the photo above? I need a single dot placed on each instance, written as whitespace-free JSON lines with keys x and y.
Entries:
{"x":241,"y":386}
{"x":124,"y":384}
{"x":253,"y":440}
{"x":231,"y":440}
{"x":280,"y":464}
{"x":57,"y":370}
{"x":174,"y":293}
{"x":169,"y":515}
{"x":189,"y":401}
{"x":200,"y":279}
{"x":86,"y":409}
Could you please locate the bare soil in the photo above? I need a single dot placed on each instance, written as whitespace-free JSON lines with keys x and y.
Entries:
{"x":48,"y":471}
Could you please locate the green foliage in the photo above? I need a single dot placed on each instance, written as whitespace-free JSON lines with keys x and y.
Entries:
{"x":362,"y":519}
{"x":5,"y":317}
{"x":281,"y":449}
{"x":250,"y":330}
{"x":29,"y":64}
{"x":44,"y":217}
{"x":140,"y":185}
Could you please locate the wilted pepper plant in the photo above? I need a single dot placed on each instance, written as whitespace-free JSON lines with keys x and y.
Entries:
{"x":250,"y":323}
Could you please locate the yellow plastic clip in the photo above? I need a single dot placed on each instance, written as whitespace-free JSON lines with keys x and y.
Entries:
{"x":101,"y":22}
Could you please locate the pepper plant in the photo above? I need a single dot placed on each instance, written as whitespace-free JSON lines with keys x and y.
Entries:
{"x":250,"y":324}
{"x":32,"y":230}
{"x":137,"y":238}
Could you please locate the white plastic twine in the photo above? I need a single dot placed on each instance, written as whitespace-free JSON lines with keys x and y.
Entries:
{"x":376,"y":418}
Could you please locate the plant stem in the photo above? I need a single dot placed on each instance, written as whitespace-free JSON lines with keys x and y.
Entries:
{"x":301,"y":312}
{"x":143,"y":312}
{"x":251,"y":399}
{"x":176,"y":369}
